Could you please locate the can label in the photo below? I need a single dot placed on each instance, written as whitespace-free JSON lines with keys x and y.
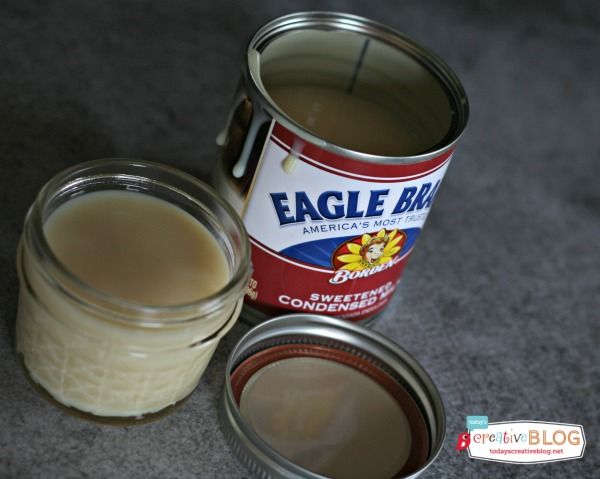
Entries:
{"x":332,"y":234}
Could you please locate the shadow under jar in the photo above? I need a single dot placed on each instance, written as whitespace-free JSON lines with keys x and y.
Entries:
{"x":130,"y":273}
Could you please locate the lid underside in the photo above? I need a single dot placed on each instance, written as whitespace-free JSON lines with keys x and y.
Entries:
{"x":331,"y":412}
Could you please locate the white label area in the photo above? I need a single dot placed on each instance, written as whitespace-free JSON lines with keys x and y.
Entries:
{"x":294,"y":201}
{"x":331,"y":234}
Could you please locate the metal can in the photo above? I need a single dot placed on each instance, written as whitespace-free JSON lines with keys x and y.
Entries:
{"x":339,"y":137}
{"x":309,"y":396}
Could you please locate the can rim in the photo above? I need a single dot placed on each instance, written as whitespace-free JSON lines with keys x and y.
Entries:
{"x":441,"y":71}
{"x":263,"y":460}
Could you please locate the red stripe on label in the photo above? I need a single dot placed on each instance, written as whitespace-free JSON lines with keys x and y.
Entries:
{"x":280,"y":286}
{"x":377,"y":171}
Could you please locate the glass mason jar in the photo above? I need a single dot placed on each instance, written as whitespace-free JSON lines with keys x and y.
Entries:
{"x":101,"y":355}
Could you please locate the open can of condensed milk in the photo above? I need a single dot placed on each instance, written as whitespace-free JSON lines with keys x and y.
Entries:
{"x":309,"y":396}
{"x":339,"y":136}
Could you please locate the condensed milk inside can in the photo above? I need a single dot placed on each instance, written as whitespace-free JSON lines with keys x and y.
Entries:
{"x":339,"y":136}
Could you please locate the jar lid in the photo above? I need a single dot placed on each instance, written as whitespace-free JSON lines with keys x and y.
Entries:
{"x":309,"y":396}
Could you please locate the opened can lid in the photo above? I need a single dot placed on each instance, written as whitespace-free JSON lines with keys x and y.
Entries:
{"x":309,"y":396}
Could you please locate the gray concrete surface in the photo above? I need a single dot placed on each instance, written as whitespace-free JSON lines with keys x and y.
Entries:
{"x":500,"y":301}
